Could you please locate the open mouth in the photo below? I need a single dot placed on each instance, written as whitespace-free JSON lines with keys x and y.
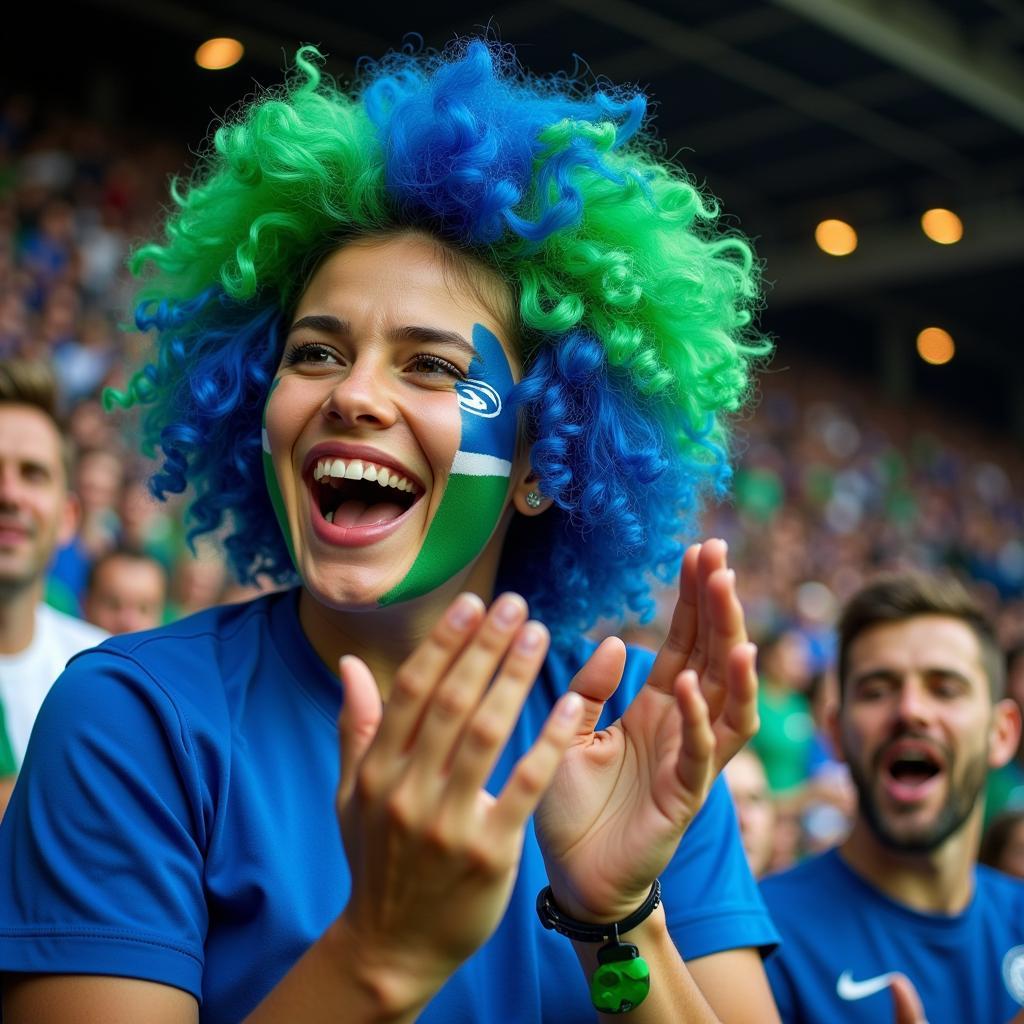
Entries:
{"x":911,"y":767}
{"x":355,"y":492}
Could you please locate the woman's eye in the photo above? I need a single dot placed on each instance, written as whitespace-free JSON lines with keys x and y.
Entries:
{"x":311,"y":352}
{"x":435,"y":366}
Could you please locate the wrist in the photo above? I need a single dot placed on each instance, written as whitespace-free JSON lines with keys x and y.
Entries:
{"x":388,"y":981}
{"x":616,"y":907}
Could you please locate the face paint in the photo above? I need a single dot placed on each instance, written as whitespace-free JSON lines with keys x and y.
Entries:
{"x":477,"y":487}
{"x":273,"y":487}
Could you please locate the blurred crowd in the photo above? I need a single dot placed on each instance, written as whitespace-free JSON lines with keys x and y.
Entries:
{"x":833,"y":481}
{"x":74,"y":197}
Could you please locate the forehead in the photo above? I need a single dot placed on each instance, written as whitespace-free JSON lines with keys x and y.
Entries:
{"x":408,"y":279}
{"x":131,"y":572}
{"x":28,"y":434}
{"x":918,"y":644}
{"x":744,"y":773}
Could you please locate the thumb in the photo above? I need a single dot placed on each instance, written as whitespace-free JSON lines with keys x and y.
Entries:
{"x":361,"y":712}
{"x":905,"y":1001}
{"x":597,"y":680}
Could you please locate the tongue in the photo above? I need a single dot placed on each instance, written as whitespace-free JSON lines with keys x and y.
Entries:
{"x":358,"y":513}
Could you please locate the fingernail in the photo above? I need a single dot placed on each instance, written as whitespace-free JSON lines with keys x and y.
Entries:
{"x":569,"y":706}
{"x":531,"y":637}
{"x":508,"y":610}
{"x":460,"y":615}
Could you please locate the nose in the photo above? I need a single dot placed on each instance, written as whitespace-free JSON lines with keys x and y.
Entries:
{"x":9,"y":485}
{"x":362,"y":398}
{"x":913,"y":705}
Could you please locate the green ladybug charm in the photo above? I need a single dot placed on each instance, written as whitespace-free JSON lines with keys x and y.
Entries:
{"x":622,"y":979}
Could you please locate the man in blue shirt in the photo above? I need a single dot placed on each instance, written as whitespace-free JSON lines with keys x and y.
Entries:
{"x":921,"y":721}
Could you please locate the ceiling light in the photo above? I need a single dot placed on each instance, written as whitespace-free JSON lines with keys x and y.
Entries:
{"x":935,"y":346}
{"x":217,"y":54}
{"x":942,"y":226}
{"x":835,"y":237}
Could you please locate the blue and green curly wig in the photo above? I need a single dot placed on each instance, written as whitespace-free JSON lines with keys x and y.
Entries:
{"x":635,"y":308}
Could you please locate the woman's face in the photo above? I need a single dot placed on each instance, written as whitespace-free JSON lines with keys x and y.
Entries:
{"x":388,"y":443}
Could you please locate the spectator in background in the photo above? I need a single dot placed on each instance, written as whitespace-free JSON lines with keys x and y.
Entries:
{"x":920,"y":720}
{"x":98,"y":479}
{"x":748,"y":784}
{"x":787,"y":729}
{"x":197,"y":582}
{"x":829,"y":799}
{"x":126,"y":592}
{"x":36,"y":514}
{"x":1005,"y":788}
{"x":1003,"y":845}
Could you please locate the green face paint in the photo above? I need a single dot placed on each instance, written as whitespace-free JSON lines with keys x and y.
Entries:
{"x":474,"y":497}
{"x":273,"y":487}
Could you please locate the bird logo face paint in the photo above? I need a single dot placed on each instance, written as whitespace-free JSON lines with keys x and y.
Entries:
{"x":478,"y":398}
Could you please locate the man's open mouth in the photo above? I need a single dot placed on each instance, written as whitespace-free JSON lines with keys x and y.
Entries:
{"x":355,"y":492}
{"x":911,"y":765}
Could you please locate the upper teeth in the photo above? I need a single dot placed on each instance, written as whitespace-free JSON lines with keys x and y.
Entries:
{"x":356,"y":469}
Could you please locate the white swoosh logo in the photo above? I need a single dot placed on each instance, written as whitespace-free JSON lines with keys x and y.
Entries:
{"x":847,"y":988}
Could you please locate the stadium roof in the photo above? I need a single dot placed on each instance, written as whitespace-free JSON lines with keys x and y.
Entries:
{"x":793,"y":111}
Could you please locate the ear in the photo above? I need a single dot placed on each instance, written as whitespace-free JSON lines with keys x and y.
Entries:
{"x":70,"y":518}
{"x":527,"y":496}
{"x":1004,"y":732}
{"x":834,"y":729}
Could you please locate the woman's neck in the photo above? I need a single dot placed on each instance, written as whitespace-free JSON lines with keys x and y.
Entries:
{"x":382,"y":637}
{"x":385,"y":637}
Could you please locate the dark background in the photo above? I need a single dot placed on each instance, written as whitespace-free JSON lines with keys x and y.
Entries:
{"x":791,"y":111}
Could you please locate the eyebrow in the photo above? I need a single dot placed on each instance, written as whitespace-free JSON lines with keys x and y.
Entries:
{"x":891,"y":675}
{"x":412,"y":332}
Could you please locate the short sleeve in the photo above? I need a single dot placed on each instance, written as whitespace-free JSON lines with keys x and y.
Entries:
{"x":102,"y":848}
{"x":782,"y":988}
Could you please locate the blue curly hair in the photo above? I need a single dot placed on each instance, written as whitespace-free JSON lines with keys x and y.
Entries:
{"x":634,"y":308}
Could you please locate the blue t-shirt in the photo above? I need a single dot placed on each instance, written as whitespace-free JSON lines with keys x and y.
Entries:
{"x":841,"y":938}
{"x":175,"y":821}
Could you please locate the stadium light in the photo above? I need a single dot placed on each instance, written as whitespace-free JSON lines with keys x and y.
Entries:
{"x":935,"y":346}
{"x":218,"y":54}
{"x":942,"y":226}
{"x":835,"y":237}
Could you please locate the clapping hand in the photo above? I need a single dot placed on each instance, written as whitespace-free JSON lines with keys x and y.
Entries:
{"x":433,"y":855}
{"x":622,"y":797}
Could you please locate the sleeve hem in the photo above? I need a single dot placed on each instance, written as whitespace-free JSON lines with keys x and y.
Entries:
{"x":37,"y":951}
{"x":741,"y":928}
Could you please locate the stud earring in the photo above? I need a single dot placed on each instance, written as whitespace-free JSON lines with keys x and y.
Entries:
{"x":533,"y":499}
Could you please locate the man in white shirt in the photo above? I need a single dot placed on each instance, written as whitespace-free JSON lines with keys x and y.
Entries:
{"x":37,"y":513}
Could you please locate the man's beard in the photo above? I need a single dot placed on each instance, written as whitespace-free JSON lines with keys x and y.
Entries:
{"x":960,"y":802}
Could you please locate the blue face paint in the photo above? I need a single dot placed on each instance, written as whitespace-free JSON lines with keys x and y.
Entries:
{"x":477,"y":487}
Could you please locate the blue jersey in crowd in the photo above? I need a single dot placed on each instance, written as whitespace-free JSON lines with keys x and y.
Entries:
{"x":175,"y":822}
{"x":842,"y":938}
